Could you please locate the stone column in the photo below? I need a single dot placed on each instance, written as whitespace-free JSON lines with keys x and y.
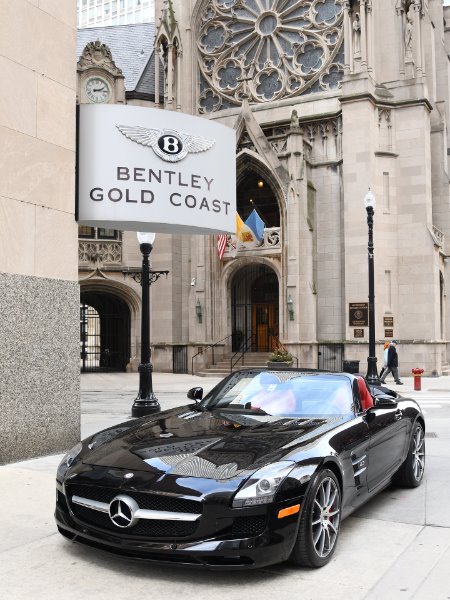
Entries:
{"x":370,"y":53}
{"x":348,"y":45}
{"x":362,"y":18}
{"x":157,"y":59}
{"x":300,"y":247}
{"x":170,"y":76}
{"x":418,"y":36}
{"x":178,"y":74}
{"x":401,"y":36}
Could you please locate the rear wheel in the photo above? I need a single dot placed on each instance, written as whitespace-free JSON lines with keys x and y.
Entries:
{"x":411,"y":472}
{"x":319,"y":522}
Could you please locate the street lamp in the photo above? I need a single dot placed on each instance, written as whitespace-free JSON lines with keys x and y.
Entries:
{"x":146,"y":402}
{"x":372,"y":372}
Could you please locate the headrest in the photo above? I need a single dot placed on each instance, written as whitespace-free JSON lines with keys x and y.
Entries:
{"x":364,"y":394}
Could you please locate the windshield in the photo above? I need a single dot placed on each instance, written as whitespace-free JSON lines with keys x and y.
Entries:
{"x":285,"y":394}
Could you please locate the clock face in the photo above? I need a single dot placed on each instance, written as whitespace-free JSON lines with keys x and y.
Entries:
{"x":97,"y":89}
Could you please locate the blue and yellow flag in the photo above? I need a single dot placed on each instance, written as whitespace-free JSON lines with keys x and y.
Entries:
{"x":251,"y":232}
{"x":256,"y":224}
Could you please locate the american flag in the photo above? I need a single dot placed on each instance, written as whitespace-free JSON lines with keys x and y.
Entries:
{"x":221,"y":244}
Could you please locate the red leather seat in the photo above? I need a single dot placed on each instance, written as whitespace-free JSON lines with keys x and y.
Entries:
{"x":364,"y":394}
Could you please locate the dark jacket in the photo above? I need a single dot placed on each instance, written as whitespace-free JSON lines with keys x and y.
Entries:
{"x":392,"y":360}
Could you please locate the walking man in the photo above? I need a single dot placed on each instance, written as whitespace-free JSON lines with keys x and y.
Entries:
{"x":392,"y":363}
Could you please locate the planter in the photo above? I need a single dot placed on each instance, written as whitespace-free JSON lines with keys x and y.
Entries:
{"x":279,"y":364}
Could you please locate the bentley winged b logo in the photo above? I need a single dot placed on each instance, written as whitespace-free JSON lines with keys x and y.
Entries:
{"x":168,"y":144}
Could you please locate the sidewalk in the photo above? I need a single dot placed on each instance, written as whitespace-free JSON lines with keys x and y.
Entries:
{"x":395,"y":547}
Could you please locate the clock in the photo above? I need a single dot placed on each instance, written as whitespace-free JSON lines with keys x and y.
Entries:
{"x":97,"y":89}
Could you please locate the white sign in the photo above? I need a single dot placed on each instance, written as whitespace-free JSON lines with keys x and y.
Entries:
{"x":146,"y":169}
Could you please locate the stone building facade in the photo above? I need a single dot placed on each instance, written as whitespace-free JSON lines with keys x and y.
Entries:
{"x":39,"y":292}
{"x":328,"y":98}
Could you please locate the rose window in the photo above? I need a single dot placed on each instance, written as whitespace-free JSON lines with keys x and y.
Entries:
{"x":265,"y":50}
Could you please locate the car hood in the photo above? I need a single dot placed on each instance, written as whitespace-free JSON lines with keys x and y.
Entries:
{"x":216,"y":445}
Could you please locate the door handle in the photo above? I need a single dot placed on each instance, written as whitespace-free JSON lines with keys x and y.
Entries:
{"x":398,"y":414}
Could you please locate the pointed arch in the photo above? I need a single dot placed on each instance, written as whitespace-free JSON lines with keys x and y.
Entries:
{"x":118,"y":307}
{"x":252,"y":288}
{"x":249,"y":162}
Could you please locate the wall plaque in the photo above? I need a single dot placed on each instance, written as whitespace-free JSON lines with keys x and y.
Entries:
{"x":388,"y":321}
{"x":388,"y":333}
{"x":358,"y":333}
{"x":358,"y":314}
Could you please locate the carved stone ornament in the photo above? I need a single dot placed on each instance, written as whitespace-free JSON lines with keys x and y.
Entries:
{"x":265,"y":50}
{"x":105,"y":253}
{"x":98,"y":55}
{"x":418,"y":5}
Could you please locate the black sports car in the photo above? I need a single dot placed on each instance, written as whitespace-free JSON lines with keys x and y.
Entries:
{"x":263,"y":469}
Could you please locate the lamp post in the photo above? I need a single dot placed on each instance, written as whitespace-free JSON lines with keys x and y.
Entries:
{"x":146,"y":402}
{"x":372,"y":372}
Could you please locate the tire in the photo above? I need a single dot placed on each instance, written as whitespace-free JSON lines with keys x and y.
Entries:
{"x":411,"y":472}
{"x":319,"y":522}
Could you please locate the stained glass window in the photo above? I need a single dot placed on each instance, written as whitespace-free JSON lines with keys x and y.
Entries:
{"x":268,"y":49}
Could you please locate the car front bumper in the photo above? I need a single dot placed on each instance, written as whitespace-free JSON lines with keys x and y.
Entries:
{"x":273,"y":545}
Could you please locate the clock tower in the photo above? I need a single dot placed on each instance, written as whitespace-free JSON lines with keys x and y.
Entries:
{"x":99,"y":80}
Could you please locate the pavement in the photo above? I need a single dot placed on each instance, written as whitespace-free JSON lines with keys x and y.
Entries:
{"x":396,"y":546}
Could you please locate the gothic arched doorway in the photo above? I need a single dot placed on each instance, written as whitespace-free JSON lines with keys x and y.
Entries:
{"x":254,"y":308}
{"x":104,"y":332}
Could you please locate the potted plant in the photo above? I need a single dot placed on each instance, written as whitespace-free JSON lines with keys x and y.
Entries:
{"x":280,"y":357}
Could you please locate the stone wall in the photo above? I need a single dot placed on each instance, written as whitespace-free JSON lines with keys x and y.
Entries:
{"x":39,"y":294}
{"x":39,"y":358}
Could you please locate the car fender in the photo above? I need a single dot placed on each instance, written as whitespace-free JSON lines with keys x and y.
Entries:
{"x":299,"y":480}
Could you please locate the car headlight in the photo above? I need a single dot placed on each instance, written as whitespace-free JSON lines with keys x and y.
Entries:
{"x":68,"y":460}
{"x":263,"y":485}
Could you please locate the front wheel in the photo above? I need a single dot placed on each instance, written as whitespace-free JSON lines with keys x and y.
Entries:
{"x":319,"y":522}
{"x":411,"y":472}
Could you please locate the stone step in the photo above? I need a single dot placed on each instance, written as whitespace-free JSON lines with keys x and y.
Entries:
{"x":226,"y":365}
{"x":222,"y":366}
{"x":226,"y":368}
{"x":216,"y":372}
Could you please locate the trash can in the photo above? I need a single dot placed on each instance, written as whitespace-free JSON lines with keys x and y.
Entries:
{"x":350,"y":366}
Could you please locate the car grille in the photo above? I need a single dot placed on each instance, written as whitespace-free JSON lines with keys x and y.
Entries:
{"x":147,"y":501}
{"x":144,"y":527}
{"x":248,"y":526}
{"x":61,"y":500}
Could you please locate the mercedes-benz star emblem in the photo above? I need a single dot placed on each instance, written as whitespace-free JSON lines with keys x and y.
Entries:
{"x":122,"y":510}
{"x":168,"y":144}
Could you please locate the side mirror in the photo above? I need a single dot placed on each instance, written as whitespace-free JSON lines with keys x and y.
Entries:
{"x":195,"y":393}
{"x":385,"y":402}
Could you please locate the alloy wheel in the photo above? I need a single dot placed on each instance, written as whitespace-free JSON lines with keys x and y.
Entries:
{"x":326,"y":517}
{"x":418,"y":453}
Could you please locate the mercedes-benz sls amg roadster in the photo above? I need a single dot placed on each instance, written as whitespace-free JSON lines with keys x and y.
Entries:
{"x":261,"y":470}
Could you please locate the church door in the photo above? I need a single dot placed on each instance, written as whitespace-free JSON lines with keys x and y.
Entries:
{"x":265,"y":326}
{"x":254,"y":308}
